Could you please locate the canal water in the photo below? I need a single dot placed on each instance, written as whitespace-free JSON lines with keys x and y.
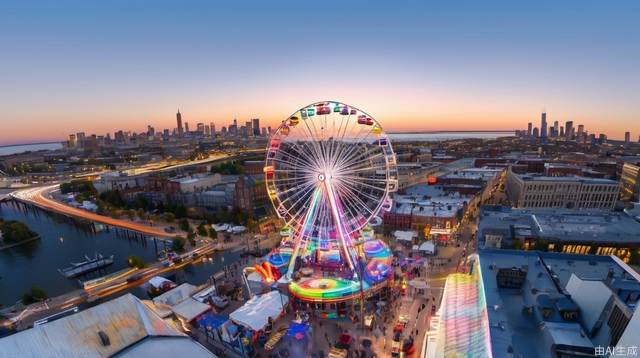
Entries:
{"x":64,"y":240}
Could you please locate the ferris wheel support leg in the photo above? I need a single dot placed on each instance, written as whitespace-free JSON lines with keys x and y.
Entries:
{"x":317,"y":194}
{"x":338,"y":221}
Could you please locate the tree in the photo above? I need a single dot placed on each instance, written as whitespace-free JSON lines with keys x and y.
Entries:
{"x":136,"y":261}
{"x":251,"y":224}
{"x":169,"y":217}
{"x":15,"y":231}
{"x":178,"y":244}
{"x":213,"y":234}
{"x":181,"y":211}
{"x":35,"y":294}
{"x":191,"y":236}
{"x":202,"y":230}
{"x":184,"y":225}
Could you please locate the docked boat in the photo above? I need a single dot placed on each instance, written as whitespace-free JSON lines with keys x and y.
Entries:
{"x":89,"y":265}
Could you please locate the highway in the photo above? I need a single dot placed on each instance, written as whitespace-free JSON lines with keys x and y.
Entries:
{"x":40,"y":197}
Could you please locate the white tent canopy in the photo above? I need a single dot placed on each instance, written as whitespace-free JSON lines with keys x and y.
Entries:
{"x":189,"y":309}
{"x":256,"y":312}
{"x":428,"y":247}
{"x":405,"y":235}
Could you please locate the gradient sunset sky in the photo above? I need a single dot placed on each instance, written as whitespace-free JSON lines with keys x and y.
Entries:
{"x":68,"y":66}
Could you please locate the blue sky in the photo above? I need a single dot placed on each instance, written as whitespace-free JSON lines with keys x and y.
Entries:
{"x":100,"y":66}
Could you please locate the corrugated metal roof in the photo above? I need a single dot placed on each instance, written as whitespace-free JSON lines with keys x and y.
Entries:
{"x":125,"y":320}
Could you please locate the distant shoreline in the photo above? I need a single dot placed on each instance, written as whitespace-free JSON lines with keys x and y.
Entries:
{"x":22,"y":144}
{"x":446,"y":131}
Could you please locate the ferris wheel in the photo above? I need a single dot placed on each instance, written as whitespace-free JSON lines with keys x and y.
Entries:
{"x":329,"y":171}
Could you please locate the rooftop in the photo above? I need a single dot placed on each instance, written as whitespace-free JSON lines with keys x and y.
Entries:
{"x":527,"y":296}
{"x":131,"y":328}
{"x":429,"y":200}
{"x":569,"y":178}
{"x":559,"y":224}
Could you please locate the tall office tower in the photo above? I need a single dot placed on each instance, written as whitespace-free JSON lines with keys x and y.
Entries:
{"x":165,"y":133}
{"x":80,"y":139}
{"x":602,"y":138}
{"x":255,"y":124}
{"x":72,"y":141}
{"x":580,"y":130}
{"x":556,"y":128}
{"x":543,"y":125}
{"x":119,"y":136}
{"x":223,"y":131}
{"x":536,"y":132}
{"x":207,"y":130}
{"x":568,"y":129}
{"x":186,"y":127}
{"x":264,"y":131}
{"x":627,"y":138}
{"x":269,"y":130}
{"x":249,"y":126}
{"x":200,"y":128}
{"x":529,"y":128}
{"x":179,"y":123}
{"x":243,"y":131}
{"x":213,"y":129}
{"x":151,"y":132}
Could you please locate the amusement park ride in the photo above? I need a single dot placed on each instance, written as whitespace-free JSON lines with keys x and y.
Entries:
{"x":329,"y":170}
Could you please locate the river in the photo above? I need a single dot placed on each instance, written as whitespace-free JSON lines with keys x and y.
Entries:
{"x":63,"y":241}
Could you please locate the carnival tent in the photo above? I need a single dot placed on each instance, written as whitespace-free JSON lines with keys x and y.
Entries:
{"x":255,"y":313}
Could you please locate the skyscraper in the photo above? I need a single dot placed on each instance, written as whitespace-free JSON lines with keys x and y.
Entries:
{"x":186,"y":127}
{"x":627,"y":138}
{"x":568,"y":129}
{"x":213,"y":129}
{"x":556,"y":128}
{"x":72,"y":141}
{"x":200,"y":128}
{"x":249,"y":127}
{"x":179,"y":123}
{"x":543,"y":125}
{"x":529,"y":128}
{"x":561,"y":134}
{"x":255,"y":124}
{"x":580,"y":131}
{"x":536,"y":132}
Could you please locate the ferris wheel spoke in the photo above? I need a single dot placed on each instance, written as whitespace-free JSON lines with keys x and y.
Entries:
{"x":353,"y":150}
{"x":314,"y":140}
{"x":355,"y":205}
{"x":356,"y":160}
{"x":294,"y":160}
{"x":354,"y":177}
{"x":364,"y":193}
{"x":355,"y":197}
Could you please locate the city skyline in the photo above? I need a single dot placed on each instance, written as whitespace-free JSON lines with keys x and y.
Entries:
{"x":417,"y":67}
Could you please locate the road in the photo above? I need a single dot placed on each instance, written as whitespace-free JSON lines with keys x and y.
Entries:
{"x":40,"y":197}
